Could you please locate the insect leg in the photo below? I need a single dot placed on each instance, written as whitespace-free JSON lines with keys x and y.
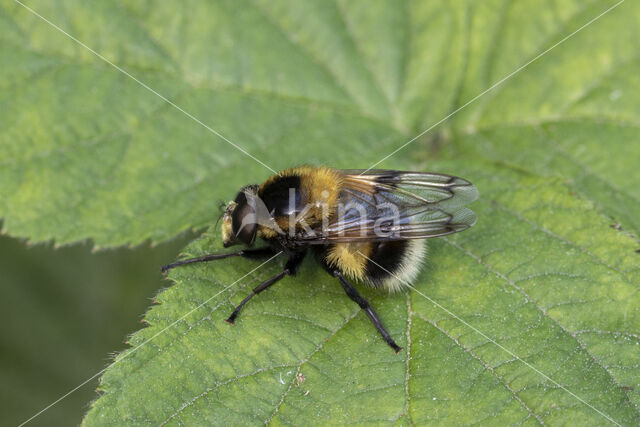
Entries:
{"x":246,"y":253}
{"x":261,"y":287}
{"x":364,"y":304}
{"x":291,"y":267}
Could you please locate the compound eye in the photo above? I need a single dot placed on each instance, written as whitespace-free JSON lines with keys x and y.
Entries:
{"x":243,"y":221}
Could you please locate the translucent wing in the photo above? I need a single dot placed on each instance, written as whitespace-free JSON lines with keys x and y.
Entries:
{"x":379,"y":205}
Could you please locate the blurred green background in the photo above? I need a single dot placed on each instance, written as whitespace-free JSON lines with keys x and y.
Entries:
{"x":65,"y":311}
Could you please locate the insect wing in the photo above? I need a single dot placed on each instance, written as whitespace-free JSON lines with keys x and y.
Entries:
{"x":381,"y":205}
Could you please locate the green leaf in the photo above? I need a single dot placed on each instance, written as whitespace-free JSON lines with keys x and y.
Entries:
{"x":89,"y":153}
{"x":565,"y":302}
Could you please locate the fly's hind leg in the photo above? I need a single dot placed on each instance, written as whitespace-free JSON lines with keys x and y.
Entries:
{"x":364,"y":304}
{"x":246,"y":253}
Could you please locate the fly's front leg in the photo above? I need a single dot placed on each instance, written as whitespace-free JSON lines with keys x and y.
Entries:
{"x":257,"y":253}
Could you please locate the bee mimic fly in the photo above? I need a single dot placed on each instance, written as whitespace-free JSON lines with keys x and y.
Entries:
{"x":363,"y":226}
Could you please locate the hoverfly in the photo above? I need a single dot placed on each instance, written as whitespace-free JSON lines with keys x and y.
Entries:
{"x":363,"y":226}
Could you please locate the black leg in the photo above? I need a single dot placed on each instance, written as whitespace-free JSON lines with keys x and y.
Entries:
{"x":247,"y":253}
{"x":364,"y":304}
{"x":291,"y":267}
{"x":261,"y":287}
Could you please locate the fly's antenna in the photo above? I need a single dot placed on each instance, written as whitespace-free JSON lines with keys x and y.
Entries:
{"x":221,"y":207}
{"x":218,"y":220}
